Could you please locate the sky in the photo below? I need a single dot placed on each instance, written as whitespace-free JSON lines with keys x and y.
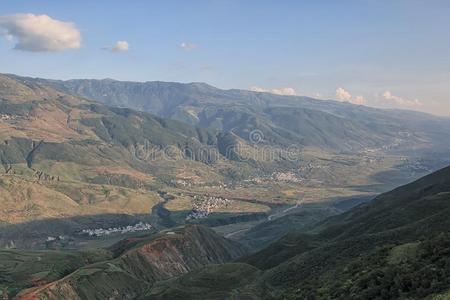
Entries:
{"x":383,"y":53}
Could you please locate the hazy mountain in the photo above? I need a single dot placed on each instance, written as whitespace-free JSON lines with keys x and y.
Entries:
{"x":70,"y":164}
{"x":282,"y":120}
{"x":65,"y":156}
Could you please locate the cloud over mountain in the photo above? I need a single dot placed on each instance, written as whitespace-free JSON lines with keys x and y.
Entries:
{"x":39,"y":33}
{"x":285,"y":91}
{"x":399,"y":101}
{"x":344,"y":95}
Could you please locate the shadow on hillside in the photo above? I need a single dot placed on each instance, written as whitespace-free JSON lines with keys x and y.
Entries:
{"x":33,"y":234}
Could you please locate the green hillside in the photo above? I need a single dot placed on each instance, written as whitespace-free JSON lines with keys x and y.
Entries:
{"x":64,"y":156}
{"x":139,"y":262}
{"x":282,"y":119}
{"x":395,"y":247}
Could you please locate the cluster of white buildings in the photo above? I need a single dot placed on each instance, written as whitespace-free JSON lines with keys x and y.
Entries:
{"x":203,"y":206}
{"x":187,"y":183}
{"x":51,"y":238}
{"x":121,"y":230}
{"x":7,"y":117}
{"x":197,"y":215}
{"x":288,"y":176}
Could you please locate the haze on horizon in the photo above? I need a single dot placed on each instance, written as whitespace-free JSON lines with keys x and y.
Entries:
{"x":377,"y":53}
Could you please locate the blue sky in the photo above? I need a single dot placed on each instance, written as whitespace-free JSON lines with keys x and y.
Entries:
{"x":391,"y":53}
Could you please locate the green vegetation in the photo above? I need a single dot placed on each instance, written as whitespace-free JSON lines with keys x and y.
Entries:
{"x":376,"y":276}
{"x":282,"y":120}
{"x":140,"y":262}
{"x":17,"y":109}
{"x":51,"y":139}
{"x":395,"y":247}
{"x":211,"y":282}
{"x":15,"y":151}
{"x":24,"y":269}
{"x":266,"y":233}
{"x":71,"y":164}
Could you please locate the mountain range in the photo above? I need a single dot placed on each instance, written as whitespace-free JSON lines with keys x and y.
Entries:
{"x":282,"y":119}
{"x":66,"y":156}
{"x":158,"y":190}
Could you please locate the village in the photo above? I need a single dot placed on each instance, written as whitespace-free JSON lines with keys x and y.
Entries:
{"x":98,"y":232}
{"x":204,"y":206}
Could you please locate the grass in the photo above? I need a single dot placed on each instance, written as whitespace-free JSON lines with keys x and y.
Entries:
{"x":23,"y":269}
{"x":211,"y":282}
{"x":403,"y":253}
{"x":25,"y":200}
{"x":185,"y":203}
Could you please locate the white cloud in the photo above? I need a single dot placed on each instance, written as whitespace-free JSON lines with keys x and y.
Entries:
{"x":399,"y":101}
{"x":286,"y":91}
{"x":188,"y":46}
{"x":38,"y":33}
{"x":359,"y":100}
{"x":344,"y":95}
{"x":121,"y":46}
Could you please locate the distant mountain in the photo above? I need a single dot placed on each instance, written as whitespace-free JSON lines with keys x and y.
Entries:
{"x":283,"y":120}
{"x":395,"y":247}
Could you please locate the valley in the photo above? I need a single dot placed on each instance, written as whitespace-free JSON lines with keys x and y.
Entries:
{"x":64,"y":156}
{"x":369,"y":250}
{"x":225,"y":150}
{"x":93,"y":192}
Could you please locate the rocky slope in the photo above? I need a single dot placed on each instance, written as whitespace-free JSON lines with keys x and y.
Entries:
{"x":142,"y":262}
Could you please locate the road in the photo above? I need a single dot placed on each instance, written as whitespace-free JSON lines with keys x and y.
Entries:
{"x":235,"y":232}
{"x":280,"y":214}
{"x":269,"y":218}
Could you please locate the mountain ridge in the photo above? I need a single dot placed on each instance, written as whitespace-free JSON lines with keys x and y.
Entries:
{"x":242,"y":111}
